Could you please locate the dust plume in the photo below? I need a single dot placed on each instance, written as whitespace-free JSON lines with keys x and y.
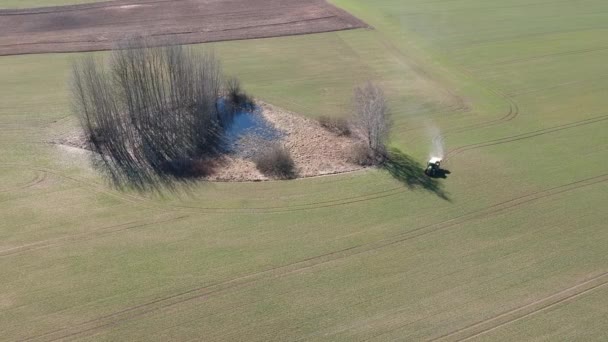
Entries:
{"x":437,"y":148}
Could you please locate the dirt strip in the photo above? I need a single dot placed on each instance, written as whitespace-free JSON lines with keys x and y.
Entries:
{"x":96,"y":26}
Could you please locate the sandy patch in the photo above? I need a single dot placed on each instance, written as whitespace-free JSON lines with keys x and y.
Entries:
{"x":315,"y":150}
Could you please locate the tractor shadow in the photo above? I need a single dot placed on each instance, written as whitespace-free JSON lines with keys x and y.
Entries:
{"x":411,"y":173}
{"x":441,"y":173}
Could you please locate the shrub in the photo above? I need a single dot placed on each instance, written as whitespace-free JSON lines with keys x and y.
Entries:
{"x":339,"y":126}
{"x":362,"y":154}
{"x":237,"y":98}
{"x":275,"y":161}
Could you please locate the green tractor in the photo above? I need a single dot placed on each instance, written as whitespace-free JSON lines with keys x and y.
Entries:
{"x":433,"y":167}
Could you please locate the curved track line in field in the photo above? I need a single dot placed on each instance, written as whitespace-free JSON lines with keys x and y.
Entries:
{"x":529,"y":309}
{"x":39,"y":177}
{"x":527,"y":135}
{"x":60,"y":241}
{"x":137,"y":201}
{"x":511,"y":113}
{"x":299,"y":266}
{"x":514,"y":110}
{"x":148,"y":204}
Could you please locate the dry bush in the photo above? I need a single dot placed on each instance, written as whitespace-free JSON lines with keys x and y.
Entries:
{"x":361,"y":154}
{"x":338,"y":126}
{"x":275,"y":161}
{"x":237,"y":98}
{"x":372,"y":118}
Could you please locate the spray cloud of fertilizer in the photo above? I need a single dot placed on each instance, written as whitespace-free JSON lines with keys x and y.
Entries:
{"x":437,"y":148}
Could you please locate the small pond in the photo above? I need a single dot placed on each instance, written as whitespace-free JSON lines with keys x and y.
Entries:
{"x":244,"y":127}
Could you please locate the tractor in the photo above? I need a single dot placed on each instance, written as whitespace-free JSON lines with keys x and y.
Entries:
{"x":433,"y":167}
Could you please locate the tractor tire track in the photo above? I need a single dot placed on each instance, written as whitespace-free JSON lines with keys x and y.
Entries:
{"x":202,"y":292}
{"x":297,"y":207}
{"x":385,"y":294}
{"x":486,"y":281}
{"x":38,"y":178}
{"x":539,"y":57}
{"x":512,"y":112}
{"x":523,"y":136}
{"x":529,"y":309}
{"x":137,"y":201}
{"x":528,"y":91}
{"x":514,"y":109}
{"x":148,"y":204}
{"x":60,"y":241}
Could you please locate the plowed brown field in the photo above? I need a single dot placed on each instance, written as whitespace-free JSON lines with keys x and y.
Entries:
{"x":91,"y":27}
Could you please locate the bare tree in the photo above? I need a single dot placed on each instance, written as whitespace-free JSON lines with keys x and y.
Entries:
{"x":372,"y":118}
{"x":151,"y":109}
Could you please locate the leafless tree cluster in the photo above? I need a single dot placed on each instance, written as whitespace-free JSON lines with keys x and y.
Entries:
{"x":151,"y":110}
{"x":372,"y":119}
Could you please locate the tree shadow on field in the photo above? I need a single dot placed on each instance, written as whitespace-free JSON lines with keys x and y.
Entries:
{"x":411,"y":173}
{"x":175,"y":177}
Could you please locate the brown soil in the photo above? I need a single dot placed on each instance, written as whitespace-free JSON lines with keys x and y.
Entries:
{"x":91,"y":27}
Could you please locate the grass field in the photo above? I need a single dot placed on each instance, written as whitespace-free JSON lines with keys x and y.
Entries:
{"x":517,"y":252}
